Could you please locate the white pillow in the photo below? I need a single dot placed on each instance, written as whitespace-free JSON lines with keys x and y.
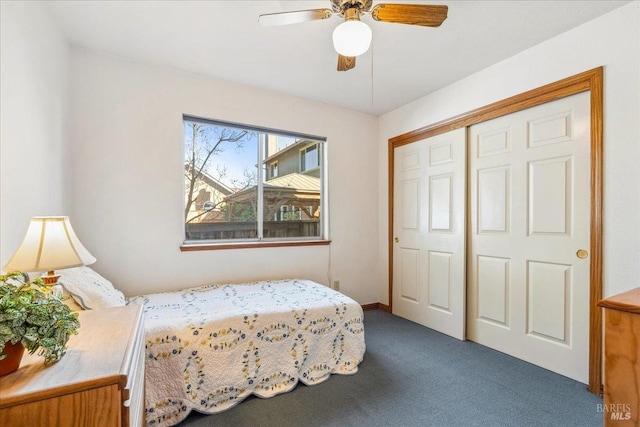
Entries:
{"x":89,"y":289}
{"x":70,"y":301}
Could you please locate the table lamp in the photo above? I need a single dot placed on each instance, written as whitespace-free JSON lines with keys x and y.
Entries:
{"x":49,"y":244}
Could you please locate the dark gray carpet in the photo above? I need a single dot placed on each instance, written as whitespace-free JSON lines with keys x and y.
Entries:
{"x":414,"y":376}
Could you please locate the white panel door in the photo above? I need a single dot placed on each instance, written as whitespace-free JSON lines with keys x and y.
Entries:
{"x":429,"y":232}
{"x":529,"y":187}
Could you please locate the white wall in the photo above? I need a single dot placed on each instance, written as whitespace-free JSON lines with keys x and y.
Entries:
{"x":127,"y":187}
{"x":124,"y":196}
{"x":34,"y":74}
{"x":613,"y":41}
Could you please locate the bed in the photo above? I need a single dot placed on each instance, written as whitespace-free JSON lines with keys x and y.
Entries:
{"x":208,"y":348}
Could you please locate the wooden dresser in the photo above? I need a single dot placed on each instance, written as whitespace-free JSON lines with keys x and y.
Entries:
{"x":622,"y":359}
{"x":98,"y":382}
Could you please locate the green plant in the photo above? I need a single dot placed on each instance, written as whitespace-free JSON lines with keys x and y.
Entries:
{"x":31,"y":314}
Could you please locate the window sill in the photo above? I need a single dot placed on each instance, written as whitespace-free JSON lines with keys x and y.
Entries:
{"x":251,"y":245}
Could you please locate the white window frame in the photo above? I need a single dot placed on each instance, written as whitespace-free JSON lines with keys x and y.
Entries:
{"x":323,"y":238}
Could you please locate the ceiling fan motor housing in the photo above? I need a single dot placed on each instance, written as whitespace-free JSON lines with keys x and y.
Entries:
{"x":342,"y":6}
{"x":352,"y":14}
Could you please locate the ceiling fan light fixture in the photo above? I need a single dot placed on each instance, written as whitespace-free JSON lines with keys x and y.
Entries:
{"x":352,"y":38}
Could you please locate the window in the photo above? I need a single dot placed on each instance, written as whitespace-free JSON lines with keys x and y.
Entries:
{"x":309,"y":158}
{"x":255,"y":184}
{"x":273,"y":170}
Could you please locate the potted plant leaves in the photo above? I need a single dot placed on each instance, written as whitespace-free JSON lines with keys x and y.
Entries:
{"x":32,"y":318}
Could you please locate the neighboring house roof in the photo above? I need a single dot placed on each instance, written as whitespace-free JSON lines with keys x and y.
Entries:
{"x":298,"y":186}
{"x":297,"y":181}
{"x":211,"y":181}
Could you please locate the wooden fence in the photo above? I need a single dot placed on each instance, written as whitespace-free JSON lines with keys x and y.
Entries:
{"x":249,"y":230}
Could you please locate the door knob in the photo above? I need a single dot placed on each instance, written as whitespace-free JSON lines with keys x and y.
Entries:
{"x":582,"y":253}
{"x":396,"y":240}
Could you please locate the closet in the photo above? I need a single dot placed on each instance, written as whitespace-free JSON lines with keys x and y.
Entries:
{"x":491,"y":231}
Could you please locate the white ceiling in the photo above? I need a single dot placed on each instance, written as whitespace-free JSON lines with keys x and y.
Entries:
{"x":223,"y":39}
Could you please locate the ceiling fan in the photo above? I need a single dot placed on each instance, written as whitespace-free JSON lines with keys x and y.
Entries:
{"x":353,"y":37}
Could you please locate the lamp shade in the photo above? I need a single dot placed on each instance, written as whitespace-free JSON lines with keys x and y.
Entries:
{"x":352,"y":38}
{"x":50,"y":244}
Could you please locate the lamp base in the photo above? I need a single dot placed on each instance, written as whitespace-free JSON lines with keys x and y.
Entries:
{"x":50,"y":279}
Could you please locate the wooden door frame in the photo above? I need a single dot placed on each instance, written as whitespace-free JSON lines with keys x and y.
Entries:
{"x":591,"y":81}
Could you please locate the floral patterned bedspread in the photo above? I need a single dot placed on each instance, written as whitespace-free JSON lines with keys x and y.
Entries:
{"x":208,"y":348}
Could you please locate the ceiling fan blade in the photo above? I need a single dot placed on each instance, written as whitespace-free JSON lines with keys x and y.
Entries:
{"x":412,"y":14}
{"x":345,"y":63}
{"x":285,"y":18}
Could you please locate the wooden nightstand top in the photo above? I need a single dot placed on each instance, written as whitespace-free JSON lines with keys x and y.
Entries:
{"x":627,"y":301}
{"x":101,"y":354}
